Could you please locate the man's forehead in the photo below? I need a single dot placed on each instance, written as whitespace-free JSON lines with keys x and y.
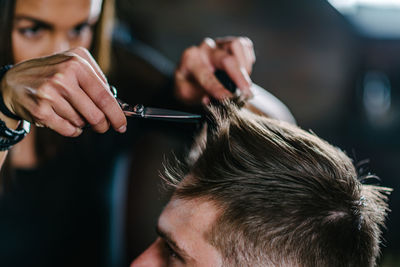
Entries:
{"x":197,"y":213}
{"x":187,"y":222}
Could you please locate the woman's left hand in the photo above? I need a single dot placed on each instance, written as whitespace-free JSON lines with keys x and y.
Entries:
{"x":195,"y":81}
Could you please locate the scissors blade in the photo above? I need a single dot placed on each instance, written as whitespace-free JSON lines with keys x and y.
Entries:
{"x":170,"y":115}
{"x":154,"y":113}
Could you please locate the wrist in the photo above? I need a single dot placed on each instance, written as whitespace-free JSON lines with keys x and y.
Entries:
{"x":12,"y":128}
{"x":10,"y":123}
{"x":4,"y":109}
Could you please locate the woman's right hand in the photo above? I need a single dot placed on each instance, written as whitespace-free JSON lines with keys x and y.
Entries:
{"x":64,"y":92}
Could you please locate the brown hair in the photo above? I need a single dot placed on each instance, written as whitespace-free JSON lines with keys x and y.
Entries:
{"x":287,"y":198}
{"x":6,"y":23}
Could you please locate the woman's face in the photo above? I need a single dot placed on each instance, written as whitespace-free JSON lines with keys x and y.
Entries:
{"x":45,"y":27}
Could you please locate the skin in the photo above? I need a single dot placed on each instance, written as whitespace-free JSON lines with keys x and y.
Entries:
{"x":43,"y":28}
{"x":182,"y":229}
{"x":234,"y":55}
{"x":48,"y":27}
{"x":57,"y":84}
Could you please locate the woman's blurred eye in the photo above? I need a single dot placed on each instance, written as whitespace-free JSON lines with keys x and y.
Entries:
{"x":79,"y":30}
{"x":31,"y":32}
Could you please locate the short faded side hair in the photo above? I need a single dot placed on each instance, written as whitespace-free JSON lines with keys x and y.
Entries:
{"x":287,"y":197}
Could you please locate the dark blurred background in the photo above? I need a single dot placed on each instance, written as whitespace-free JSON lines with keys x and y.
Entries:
{"x":335,"y":64}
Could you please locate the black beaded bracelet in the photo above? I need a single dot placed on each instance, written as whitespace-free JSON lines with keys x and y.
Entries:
{"x":3,"y":107}
{"x":9,"y":137}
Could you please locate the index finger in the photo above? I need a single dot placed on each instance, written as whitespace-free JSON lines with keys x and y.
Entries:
{"x":222,"y":60}
{"x":207,"y":80}
{"x":101,"y":96}
{"x":85,"y":54}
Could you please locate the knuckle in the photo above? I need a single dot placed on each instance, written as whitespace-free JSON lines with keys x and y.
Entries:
{"x":189,"y":53}
{"x":248,"y":41}
{"x":81,"y":49}
{"x":237,"y":42}
{"x":205,"y":79}
{"x":74,"y":63}
{"x":208,"y":81}
{"x":44,"y":93}
{"x":103,"y":99}
{"x":57,"y":81}
{"x":40,"y":113}
{"x":227,"y":60}
{"x":45,"y":88}
{"x":98,"y":118}
{"x":179,"y":76}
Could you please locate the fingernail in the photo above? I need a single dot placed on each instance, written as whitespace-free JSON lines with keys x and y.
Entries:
{"x":246,"y":75}
{"x":78,"y":131}
{"x":249,"y":94}
{"x":205,"y":100}
{"x":246,"y":91}
{"x":122,"y":129}
{"x":238,"y":92}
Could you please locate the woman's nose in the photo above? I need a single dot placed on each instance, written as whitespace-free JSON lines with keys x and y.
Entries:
{"x":153,"y":256}
{"x":60,"y":43}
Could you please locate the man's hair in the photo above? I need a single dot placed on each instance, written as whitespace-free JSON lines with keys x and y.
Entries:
{"x":285,"y":197}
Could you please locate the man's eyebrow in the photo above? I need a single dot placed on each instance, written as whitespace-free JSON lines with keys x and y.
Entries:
{"x":168,"y":238}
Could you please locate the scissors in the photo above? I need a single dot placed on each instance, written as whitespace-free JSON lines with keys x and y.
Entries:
{"x":141,"y":111}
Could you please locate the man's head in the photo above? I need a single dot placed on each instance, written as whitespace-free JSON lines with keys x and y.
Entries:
{"x":258,"y":192}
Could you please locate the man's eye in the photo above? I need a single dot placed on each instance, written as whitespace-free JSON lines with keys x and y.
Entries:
{"x":31,"y":32}
{"x":170,"y":251}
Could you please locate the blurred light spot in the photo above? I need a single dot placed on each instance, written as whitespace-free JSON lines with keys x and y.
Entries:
{"x":351,"y":4}
{"x":376,"y":18}
{"x":376,"y":96}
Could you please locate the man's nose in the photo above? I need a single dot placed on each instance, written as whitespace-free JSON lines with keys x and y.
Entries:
{"x":151,"y":257}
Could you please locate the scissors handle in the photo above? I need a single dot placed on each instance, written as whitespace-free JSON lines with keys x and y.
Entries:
{"x":136,"y":110}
